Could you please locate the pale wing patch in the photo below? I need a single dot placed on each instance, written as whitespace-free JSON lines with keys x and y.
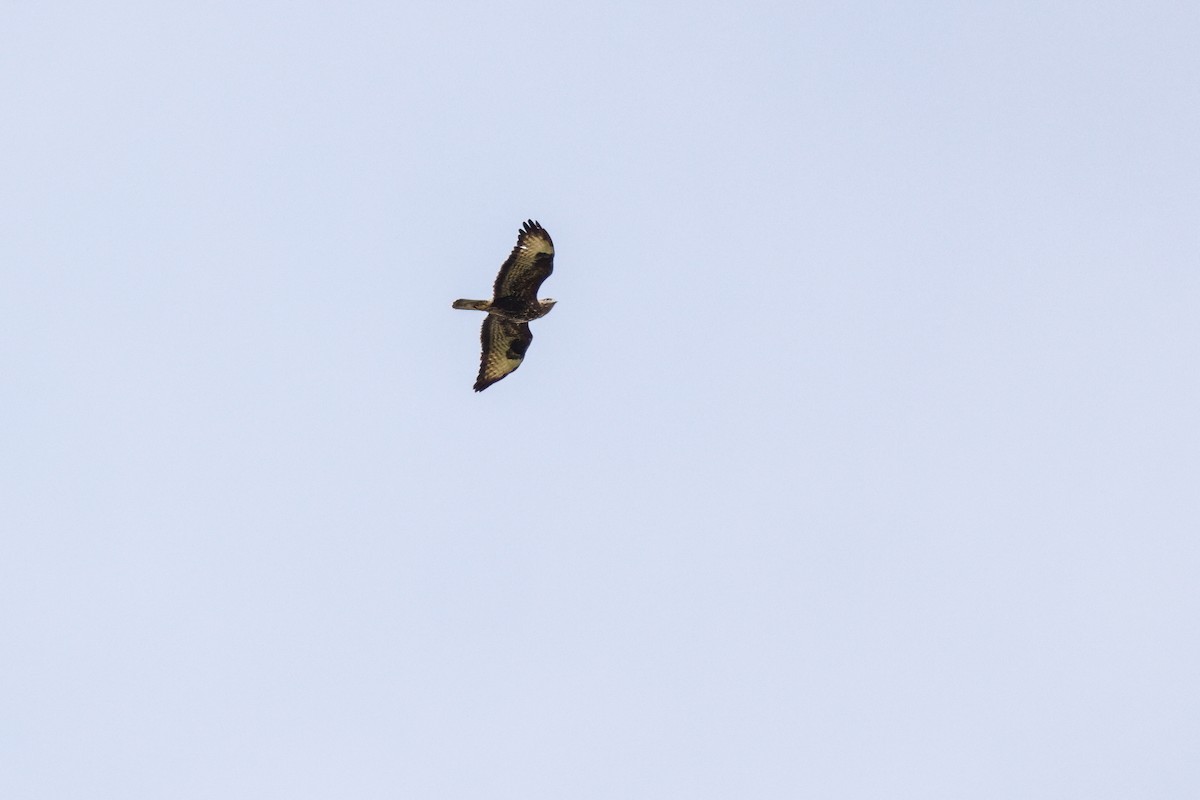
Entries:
{"x":535,"y":243}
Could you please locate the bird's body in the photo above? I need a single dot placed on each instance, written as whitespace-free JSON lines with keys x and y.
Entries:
{"x":506,"y":335}
{"x":516,"y":311}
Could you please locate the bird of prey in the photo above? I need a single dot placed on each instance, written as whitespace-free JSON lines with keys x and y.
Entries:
{"x":514,"y":303}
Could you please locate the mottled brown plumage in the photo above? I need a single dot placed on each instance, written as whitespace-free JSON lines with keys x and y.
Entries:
{"x":506,"y":335}
{"x":504,"y":344}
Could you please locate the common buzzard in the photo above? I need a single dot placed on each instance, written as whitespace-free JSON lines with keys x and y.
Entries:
{"x":514,"y":303}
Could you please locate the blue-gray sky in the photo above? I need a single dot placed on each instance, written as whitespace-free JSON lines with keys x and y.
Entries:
{"x":860,"y":457}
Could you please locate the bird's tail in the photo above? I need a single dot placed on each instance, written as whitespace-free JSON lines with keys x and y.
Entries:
{"x":473,"y":305}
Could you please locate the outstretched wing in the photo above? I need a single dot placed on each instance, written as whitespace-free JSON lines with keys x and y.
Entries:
{"x":530,"y":263}
{"x":504,"y":346}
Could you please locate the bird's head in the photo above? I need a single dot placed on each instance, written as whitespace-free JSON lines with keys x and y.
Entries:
{"x":547,"y":303}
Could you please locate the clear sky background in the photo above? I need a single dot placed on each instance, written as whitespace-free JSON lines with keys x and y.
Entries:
{"x":859,"y":459}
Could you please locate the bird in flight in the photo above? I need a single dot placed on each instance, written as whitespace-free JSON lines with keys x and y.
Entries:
{"x":514,"y":303}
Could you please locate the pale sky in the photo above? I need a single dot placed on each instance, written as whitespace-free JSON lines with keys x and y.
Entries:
{"x":860,"y":457}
